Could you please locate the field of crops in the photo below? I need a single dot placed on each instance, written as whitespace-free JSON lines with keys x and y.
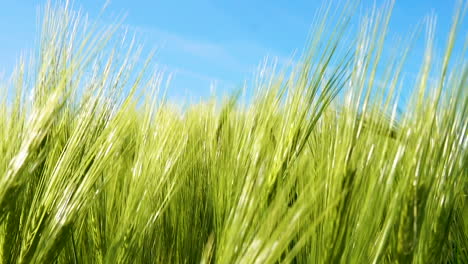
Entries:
{"x":323,"y":163}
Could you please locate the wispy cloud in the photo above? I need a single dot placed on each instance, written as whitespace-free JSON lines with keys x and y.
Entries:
{"x":198,"y":48}
{"x":225,"y":65}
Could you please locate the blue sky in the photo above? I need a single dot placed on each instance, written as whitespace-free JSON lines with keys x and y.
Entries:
{"x":209,"y":41}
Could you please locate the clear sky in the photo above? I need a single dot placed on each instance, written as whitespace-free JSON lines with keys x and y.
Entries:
{"x":206,"y":41}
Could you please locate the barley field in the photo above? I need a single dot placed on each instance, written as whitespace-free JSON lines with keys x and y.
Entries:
{"x":323,"y":163}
